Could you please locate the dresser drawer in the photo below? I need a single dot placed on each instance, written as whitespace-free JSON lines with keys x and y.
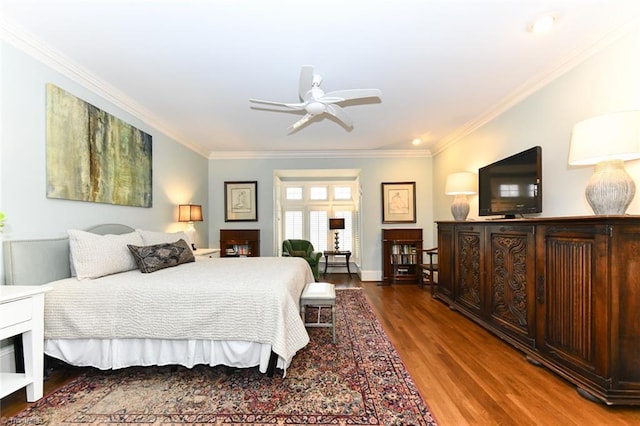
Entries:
{"x":15,"y":312}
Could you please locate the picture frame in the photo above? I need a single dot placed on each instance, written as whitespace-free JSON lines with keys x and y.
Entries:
{"x":240,"y":201}
{"x":398,"y":202}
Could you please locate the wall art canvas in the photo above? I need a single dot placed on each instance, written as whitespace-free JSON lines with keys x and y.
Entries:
{"x":94,"y":156}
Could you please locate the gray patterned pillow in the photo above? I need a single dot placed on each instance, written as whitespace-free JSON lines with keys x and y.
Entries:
{"x":160,"y":256}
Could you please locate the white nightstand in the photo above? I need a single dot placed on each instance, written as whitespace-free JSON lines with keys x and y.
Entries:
{"x":210,"y":252}
{"x":22,"y":312}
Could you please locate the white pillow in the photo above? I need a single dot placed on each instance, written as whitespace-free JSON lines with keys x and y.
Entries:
{"x":95,"y":255}
{"x":150,"y":238}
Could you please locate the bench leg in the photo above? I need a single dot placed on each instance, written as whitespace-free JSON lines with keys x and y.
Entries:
{"x":333,"y":322}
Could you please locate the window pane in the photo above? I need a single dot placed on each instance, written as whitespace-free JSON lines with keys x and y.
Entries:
{"x":318,"y":193}
{"x":318,"y":227}
{"x":294,"y":193}
{"x":293,"y":227}
{"x":342,"y":193}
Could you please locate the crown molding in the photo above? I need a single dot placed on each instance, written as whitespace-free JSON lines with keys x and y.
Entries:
{"x":372,"y":153}
{"x":534,"y":84}
{"x":34,"y":47}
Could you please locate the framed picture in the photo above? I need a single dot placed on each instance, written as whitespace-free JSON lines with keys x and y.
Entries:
{"x":240,"y":201}
{"x":398,"y":202}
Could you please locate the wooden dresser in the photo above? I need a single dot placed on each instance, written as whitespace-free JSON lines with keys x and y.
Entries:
{"x":565,"y":291}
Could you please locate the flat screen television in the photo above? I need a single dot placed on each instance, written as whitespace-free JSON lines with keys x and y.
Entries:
{"x":511,"y":186}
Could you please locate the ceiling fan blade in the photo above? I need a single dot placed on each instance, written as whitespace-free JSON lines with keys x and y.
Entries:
{"x":306,"y":80}
{"x":282,"y":104}
{"x":348,"y":94}
{"x":300,"y":122}
{"x":339,"y":113}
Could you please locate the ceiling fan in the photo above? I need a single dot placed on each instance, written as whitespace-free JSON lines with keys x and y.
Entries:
{"x":316,"y":102}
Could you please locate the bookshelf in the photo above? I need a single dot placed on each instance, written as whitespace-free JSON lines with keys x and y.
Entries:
{"x":239,"y":242}
{"x":401,"y":250}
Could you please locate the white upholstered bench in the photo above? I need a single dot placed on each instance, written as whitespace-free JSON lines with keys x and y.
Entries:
{"x":319,"y":295}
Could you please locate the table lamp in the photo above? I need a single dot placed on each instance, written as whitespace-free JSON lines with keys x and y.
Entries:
{"x":460,"y":184}
{"x":607,"y":141}
{"x":336,"y":224}
{"x":190,"y":213}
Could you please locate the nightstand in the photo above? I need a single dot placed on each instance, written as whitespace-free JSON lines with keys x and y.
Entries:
{"x":22,"y":312}
{"x":209,"y":252}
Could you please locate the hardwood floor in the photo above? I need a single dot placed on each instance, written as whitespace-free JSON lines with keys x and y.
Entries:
{"x":466,"y":375}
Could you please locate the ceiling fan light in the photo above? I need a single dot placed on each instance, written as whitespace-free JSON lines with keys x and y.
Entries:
{"x":315,"y":108}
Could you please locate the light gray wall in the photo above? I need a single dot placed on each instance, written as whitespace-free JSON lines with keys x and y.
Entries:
{"x":608,"y":81}
{"x":374,"y":171}
{"x":179,"y":174}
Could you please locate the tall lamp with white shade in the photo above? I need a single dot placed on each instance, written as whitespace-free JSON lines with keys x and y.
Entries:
{"x":607,"y":141}
{"x":190,"y":213}
{"x":460,"y":184}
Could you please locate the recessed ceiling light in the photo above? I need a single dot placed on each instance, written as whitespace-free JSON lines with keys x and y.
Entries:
{"x":416,"y":141}
{"x":543,"y":24}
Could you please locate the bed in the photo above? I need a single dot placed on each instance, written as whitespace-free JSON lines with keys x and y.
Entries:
{"x":239,"y":312}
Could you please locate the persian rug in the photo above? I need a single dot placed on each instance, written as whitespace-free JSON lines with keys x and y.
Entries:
{"x":360,"y":380}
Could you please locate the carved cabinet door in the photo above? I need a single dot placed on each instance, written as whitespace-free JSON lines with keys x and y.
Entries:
{"x":468,"y":278}
{"x":576,"y":317}
{"x":510,"y":266}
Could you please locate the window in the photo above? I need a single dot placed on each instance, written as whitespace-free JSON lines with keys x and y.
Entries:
{"x":342,"y":193}
{"x":318,"y":193}
{"x":318,"y":226}
{"x":293,"y":193}
{"x":293,"y":224}
{"x":307,"y":207}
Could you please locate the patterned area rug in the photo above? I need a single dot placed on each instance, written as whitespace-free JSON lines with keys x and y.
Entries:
{"x":360,"y":380}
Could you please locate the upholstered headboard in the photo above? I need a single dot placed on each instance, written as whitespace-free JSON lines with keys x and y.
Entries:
{"x":40,"y":261}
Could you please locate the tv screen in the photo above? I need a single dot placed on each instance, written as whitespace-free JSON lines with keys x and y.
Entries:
{"x":512,"y":186}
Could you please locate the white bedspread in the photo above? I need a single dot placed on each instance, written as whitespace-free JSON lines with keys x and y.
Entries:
{"x":251,"y":299}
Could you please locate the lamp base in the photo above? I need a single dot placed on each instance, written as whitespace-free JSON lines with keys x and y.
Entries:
{"x":337,"y":244}
{"x":610,"y":189}
{"x":190,"y":232}
{"x":460,"y":207}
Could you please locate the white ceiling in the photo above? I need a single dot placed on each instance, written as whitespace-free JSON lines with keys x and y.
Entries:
{"x":188,"y":67}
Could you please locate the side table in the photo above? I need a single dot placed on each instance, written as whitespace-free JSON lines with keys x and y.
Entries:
{"x":22,"y":312}
{"x":209,"y":252}
{"x":346,"y":254}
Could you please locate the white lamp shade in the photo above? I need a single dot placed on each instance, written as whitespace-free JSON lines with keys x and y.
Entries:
{"x":460,"y":183}
{"x":606,"y":137}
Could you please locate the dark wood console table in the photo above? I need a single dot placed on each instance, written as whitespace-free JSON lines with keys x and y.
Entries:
{"x":565,"y":291}
{"x":346,"y":254}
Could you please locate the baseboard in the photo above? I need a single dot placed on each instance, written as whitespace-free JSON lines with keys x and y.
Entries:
{"x":370,"y":275}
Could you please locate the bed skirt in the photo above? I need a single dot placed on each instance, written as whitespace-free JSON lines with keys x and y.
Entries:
{"x":107,"y":354}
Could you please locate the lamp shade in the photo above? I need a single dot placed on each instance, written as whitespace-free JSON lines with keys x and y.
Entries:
{"x":336,"y":223}
{"x":460,"y":183}
{"x":189,"y":213}
{"x":606,"y":137}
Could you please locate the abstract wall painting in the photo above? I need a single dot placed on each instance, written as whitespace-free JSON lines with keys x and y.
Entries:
{"x":94,"y":156}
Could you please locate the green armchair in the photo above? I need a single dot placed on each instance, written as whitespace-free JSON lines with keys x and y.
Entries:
{"x":304,"y":249}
